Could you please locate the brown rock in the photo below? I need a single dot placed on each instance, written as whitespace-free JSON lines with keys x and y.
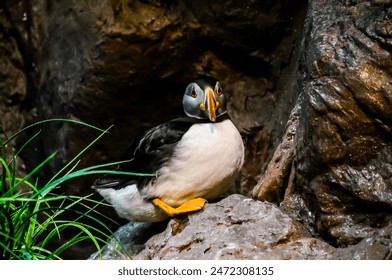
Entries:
{"x":12,"y":80}
{"x":343,"y":153}
{"x":271,"y":185}
{"x":127,"y":63}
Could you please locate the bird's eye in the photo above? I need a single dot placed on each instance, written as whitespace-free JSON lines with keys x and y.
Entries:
{"x":218,"y":89}
{"x":193,"y":93}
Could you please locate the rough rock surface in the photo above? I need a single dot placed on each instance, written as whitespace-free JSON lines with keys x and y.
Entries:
{"x":12,"y":77}
{"x":234,"y":228}
{"x":280,"y":168}
{"x":129,"y":241}
{"x":17,"y":78}
{"x":240,"y":228}
{"x":343,"y":152}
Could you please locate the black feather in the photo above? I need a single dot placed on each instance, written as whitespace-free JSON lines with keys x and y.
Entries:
{"x":205,"y":81}
{"x":148,"y":153}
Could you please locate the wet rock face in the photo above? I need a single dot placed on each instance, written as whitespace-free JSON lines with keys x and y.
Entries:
{"x":344,"y":158}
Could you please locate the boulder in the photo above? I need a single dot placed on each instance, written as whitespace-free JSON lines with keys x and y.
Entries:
{"x":238,"y":227}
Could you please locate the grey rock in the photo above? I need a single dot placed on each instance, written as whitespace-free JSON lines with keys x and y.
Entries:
{"x":126,"y":242}
{"x":234,"y":228}
{"x":241,"y":228}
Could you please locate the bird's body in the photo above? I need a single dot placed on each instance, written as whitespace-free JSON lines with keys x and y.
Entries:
{"x":214,"y":155}
{"x":194,"y":158}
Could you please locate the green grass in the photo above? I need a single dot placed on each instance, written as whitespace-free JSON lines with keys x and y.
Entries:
{"x":32,"y":218}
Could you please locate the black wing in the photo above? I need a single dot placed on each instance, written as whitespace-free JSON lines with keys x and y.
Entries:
{"x":148,"y":153}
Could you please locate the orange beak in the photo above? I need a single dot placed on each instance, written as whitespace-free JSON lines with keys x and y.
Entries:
{"x":211,"y":104}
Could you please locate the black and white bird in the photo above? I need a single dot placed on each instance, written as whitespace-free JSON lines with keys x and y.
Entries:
{"x":196,"y":158}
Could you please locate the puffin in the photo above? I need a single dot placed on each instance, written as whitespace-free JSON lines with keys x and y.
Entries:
{"x":195,"y":158}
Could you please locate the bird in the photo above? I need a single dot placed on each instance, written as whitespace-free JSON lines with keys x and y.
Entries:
{"x":196,"y":158}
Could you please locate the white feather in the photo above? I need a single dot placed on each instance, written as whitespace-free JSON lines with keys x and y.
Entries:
{"x":129,"y":204}
{"x":205,"y":164}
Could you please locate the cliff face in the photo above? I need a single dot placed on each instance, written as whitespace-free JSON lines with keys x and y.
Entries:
{"x":343,"y":161}
{"x":308,"y":86}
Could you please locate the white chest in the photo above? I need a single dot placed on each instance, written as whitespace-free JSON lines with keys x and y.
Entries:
{"x":206,"y":162}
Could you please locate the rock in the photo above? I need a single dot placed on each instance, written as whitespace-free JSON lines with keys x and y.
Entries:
{"x":16,"y":80}
{"x":98,"y":63}
{"x":374,"y":247}
{"x":129,"y":241}
{"x":241,"y":228}
{"x":12,"y":79}
{"x":271,"y":185}
{"x":343,"y":151}
{"x":233,"y":228}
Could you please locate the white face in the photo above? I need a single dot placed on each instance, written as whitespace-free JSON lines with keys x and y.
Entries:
{"x":209,"y":103}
